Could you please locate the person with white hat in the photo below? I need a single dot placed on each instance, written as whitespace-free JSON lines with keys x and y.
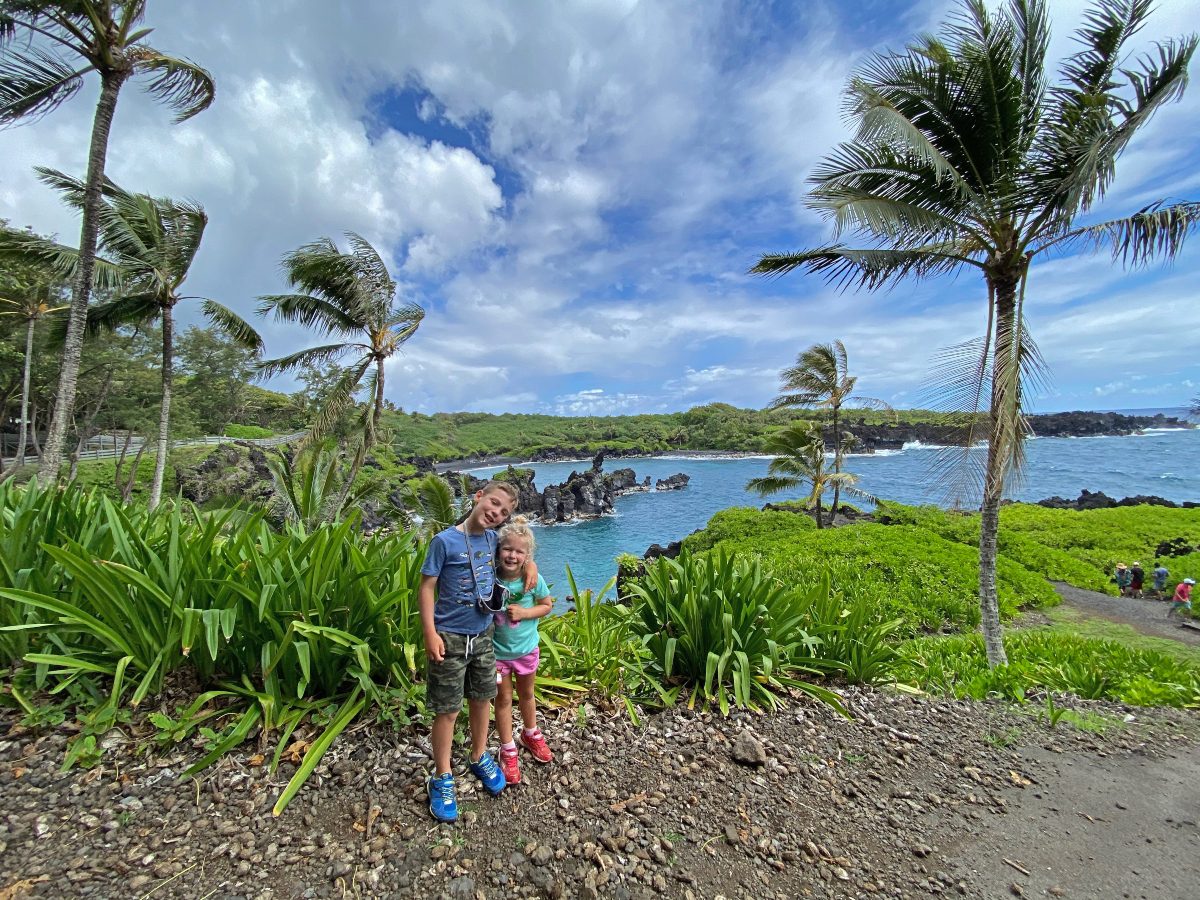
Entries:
{"x":1182,"y":598}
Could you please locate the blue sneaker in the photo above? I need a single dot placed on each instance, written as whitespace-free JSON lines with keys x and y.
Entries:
{"x":443,"y":803}
{"x":486,"y":770}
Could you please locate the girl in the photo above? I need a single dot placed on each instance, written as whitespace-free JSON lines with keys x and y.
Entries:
{"x":517,"y":653}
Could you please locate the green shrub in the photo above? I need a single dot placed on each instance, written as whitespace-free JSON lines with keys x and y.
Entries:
{"x":277,"y":624}
{"x":247,"y":432}
{"x":904,"y":573}
{"x":746,"y":524}
{"x":1046,"y":661}
{"x":1080,"y":548}
{"x":732,"y":634}
{"x":594,"y":649}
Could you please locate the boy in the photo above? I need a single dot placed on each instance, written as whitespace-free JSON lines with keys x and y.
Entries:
{"x":456,"y":582}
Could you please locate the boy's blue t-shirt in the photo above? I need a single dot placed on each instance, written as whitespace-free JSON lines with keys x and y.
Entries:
{"x":512,"y":641}
{"x":451,"y":558}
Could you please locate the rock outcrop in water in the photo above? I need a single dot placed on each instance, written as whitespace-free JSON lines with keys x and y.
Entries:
{"x":584,"y":495}
{"x":1100,"y":500}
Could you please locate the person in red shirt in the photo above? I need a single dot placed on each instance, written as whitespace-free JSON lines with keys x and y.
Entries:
{"x":1182,"y":598}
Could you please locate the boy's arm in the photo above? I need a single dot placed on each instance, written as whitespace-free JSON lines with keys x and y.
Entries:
{"x":531,"y":575}
{"x":435,"y":649}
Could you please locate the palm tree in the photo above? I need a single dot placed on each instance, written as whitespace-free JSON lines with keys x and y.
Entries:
{"x":435,"y":503}
{"x":821,"y":379}
{"x":966,"y":156}
{"x":61,"y":43}
{"x":30,"y":302}
{"x":148,"y":245}
{"x":309,"y":490}
{"x":799,"y":450}
{"x":351,"y":296}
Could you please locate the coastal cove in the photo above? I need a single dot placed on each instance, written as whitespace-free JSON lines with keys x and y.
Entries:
{"x":1164,"y":462}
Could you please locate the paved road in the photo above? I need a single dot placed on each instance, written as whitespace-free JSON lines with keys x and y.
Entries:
{"x":1147,"y":616}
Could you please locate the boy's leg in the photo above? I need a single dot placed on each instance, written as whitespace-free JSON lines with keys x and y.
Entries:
{"x":481,"y":690}
{"x":444,"y":697}
{"x":481,"y":715}
{"x":442,"y":738}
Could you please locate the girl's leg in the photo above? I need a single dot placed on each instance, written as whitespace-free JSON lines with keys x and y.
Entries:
{"x":525,"y":685}
{"x":504,"y":721}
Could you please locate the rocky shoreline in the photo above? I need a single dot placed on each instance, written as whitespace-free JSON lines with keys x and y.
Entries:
{"x":906,"y":799}
{"x":584,"y":495}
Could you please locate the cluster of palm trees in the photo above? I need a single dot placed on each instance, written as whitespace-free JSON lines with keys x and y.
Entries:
{"x":140,"y":249}
{"x":820,"y":379}
{"x":966,"y":155}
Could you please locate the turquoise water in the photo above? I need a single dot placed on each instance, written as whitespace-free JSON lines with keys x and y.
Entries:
{"x":1166,"y":463}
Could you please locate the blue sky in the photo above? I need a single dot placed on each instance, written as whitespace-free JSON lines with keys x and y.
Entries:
{"x":575,"y":190}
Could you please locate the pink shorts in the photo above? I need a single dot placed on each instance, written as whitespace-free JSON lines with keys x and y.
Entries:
{"x":522,"y":665}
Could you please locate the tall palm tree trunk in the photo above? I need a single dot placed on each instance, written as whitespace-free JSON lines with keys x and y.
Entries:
{"x":377,"y":407}
{"x":23,"y":432}
{"x":370,"y":436}
{"x":837,"y":463}
{"x":164,"y":413}
{"x":993,"y":486}
{"x":72,"y":352}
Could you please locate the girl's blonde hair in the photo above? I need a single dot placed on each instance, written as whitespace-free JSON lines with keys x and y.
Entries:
{"x":518,"y":527}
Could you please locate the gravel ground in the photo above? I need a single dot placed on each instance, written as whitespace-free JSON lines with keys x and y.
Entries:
{"x":912,"y":797}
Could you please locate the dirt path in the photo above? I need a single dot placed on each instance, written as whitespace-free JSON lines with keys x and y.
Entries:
{"x":1147,"y":616}
{"x":1092,"y":825}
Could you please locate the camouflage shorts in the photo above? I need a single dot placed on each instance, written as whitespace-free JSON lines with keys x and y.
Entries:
{"x":460,"y":673}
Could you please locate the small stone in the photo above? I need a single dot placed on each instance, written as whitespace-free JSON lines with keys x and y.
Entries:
{"x":748,"y":751}
{"x":462,"y":888}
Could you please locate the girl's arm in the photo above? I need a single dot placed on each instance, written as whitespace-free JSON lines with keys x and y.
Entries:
{"x":541,"y":607}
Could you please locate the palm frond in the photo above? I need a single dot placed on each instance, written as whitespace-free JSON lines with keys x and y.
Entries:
{"x":1153,"y":232}
{"x":182,"y":85}
{"x":312,"y":356}
{"x":341,"y":396}
{"x":229,"y":322}
{"x":72,"y":189}
{"x":868,"y":268}
{"x":23,"y":246}
{"x":773,"y":484}
{"x":309,"y":311}
{"x":127,"y":310}
{"x":34,"y":83}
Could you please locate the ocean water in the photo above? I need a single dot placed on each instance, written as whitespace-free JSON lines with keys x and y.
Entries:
{"x":1166,"y":463}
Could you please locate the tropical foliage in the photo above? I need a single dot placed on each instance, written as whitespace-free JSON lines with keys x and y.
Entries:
{"x":821,"y":379}
{"x":966,"y":156}
{"x":147,"y":246}
{"x":46,"y":51}
{"x":350,"y":296}
{"x":800,"y":460}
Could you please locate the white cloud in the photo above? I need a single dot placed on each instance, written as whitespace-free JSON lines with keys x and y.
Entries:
{"x":628,"y":163}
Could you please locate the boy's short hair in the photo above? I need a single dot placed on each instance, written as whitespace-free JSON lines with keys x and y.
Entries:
{"x":506,"y":486}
